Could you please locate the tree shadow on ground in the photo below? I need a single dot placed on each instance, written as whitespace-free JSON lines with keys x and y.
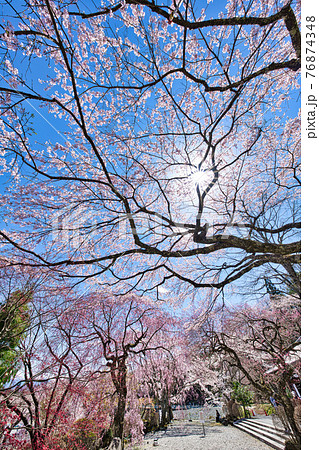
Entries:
{"x":188,"y":429}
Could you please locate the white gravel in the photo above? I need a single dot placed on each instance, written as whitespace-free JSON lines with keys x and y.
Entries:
{"x":185,"y":435}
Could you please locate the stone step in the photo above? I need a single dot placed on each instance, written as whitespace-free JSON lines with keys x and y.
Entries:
{"x":272,"y":438}
{"x":268,"y":431}
{"x":259,"y":423}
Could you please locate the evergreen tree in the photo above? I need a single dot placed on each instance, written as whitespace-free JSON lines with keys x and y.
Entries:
{"x":242,"y":395}
{"x":14,"y":320}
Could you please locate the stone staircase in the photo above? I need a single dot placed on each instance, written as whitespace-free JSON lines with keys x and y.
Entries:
{"x":264,"y":430}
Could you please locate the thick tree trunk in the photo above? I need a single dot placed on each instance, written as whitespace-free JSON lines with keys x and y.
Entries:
{"x":37,"y":440}
{"x":118,"y":423}
{"x":164,"y":413}
{"x":289,"y":408}
{"x":118,"y":373}
{"x":165,"y":419}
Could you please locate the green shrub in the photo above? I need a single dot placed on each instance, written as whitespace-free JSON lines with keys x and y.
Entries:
{"x":269,"y":410}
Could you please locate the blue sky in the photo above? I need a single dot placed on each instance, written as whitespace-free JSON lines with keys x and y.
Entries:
{"x":50,"y":128}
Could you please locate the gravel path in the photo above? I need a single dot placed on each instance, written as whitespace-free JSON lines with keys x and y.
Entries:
{"x":184,"y":435}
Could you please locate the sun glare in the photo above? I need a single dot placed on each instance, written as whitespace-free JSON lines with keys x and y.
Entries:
{"x":199,"y":177}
